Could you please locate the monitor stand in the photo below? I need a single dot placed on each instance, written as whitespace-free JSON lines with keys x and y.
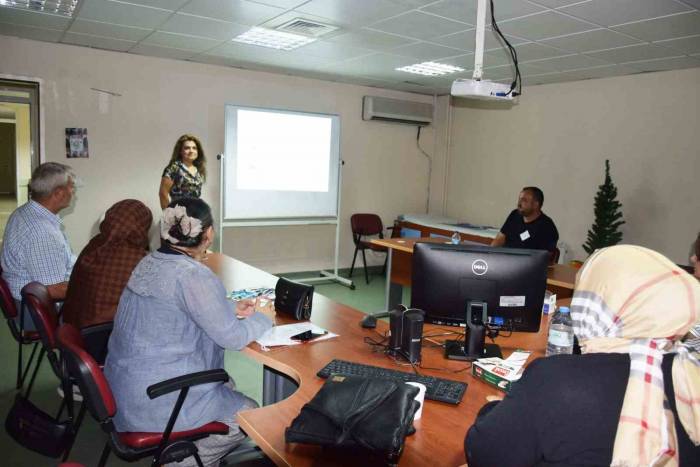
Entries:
{"x":454,"y":350}
{"x":473,"y":346}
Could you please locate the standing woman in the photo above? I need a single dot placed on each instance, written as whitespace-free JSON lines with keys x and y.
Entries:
{"x":186,"y":172}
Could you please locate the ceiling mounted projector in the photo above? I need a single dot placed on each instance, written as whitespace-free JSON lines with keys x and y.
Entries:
{"x":482,"y":89}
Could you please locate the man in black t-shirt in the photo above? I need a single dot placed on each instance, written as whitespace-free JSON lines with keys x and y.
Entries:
{"x":527,"y":226}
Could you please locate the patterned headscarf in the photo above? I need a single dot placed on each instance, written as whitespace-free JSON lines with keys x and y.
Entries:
{"x":630,"y":299}
{"x":105,"y":265}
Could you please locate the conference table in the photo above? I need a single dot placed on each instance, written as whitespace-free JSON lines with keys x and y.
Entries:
{"x":560,"y":278}
{"x":439,"y":436}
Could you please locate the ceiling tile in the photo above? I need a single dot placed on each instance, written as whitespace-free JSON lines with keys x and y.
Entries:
{"x":282,"y":3}
{"x":356,"y":12}
{"x":465,"y":61}
{"x":607,"y":13}
{"x":371,"y":39}
{"x":684,"y":24}
{"x":687,"y":45}
{"x":466,"y":40}
{"x":379,"y":65}
{"x":666,"y":64}
{"x":204,"y":27}
{"x":252,"y":53}
{"x":334,"y":51}
{"x":165,"y":52}
{"x":598,"y":39}
{"x":570,"y":62}
{"x":465,"y":10}
{"x":503,"y":72}
{"x":33,"y":18}
{"x":425,"y":51}
{"x":634,"y":53}
{"x":28,"y":32}
{"x":115,"y":31}
{"x":180,"y":41}
{"x":237,"y":11}
{"x":291,"y":15}
{"x":526,"y":52}
{"x":544,"y":25}
{"x":108,"y":11}
{"x":535,"y":51}
{"x":250,"y":56}
{"x":419,"y":25}
{"x":171,"y":5}
{"x":98,"y":42}
{"x":555,"y":3}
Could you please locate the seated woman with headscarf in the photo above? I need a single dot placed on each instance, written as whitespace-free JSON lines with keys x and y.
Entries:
{"x":174,"y":319}
{"x":631,"y":399}
{"x":105,"y":264}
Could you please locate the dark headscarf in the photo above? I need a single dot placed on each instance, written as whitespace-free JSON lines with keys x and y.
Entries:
{"x":105,"y":265}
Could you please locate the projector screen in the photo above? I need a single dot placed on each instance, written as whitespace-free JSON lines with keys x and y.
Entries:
{"x":280,"y":165}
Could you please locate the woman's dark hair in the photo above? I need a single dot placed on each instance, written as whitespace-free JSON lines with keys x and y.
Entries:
{"x":201,"y":160}
{"x":697,"y":247}
{"x":196,"y":208}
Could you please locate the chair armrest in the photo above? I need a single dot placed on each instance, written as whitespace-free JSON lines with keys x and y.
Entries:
{"x":97,"y":329}
{"x":186,"y":381}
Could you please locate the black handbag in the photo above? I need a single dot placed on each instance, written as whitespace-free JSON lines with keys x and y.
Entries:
{"x":294,"y":299}
{"x":36,"y":430}
{"x":354,"y":412}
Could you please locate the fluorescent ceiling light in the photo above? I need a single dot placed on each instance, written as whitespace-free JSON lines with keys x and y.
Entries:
{"x":430,"y":69}
{"x":57,"y":7}
{"x":274,"y":39}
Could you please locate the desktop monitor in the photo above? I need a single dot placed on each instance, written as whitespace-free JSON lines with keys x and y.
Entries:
{"x":481,"y":287}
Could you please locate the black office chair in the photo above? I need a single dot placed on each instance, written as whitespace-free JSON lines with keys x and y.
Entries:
{"x":363,"y":226}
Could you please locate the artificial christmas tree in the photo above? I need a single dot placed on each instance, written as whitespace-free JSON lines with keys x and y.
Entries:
{"x":608,"y":216}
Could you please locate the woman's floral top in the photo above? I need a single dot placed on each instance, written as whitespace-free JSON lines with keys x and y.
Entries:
{"x":185,"y":185}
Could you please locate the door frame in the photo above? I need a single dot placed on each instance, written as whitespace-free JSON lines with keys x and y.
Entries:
{"x":35,"y":88}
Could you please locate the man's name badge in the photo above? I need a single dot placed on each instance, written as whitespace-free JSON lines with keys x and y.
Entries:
{"x":524,"y":236}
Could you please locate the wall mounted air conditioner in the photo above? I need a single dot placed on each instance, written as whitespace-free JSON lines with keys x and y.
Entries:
{"x":398,"y":111}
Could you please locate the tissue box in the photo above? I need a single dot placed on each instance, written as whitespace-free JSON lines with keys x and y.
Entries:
{"x":500,"y":373}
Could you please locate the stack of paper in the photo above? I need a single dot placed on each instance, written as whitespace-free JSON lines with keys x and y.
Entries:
{"x":282,"y":335}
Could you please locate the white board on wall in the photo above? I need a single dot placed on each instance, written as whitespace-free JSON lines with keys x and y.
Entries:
{"x":280,"y":166}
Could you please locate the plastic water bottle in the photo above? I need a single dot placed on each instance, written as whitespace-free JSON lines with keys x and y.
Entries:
{"x":561,"y":333}
{"x":456,"y":238}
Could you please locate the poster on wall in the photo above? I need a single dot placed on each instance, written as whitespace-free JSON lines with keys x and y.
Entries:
{"x":76,"y":142}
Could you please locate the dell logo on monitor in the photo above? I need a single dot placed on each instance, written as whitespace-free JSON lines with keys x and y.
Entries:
{"x":479,"y":267}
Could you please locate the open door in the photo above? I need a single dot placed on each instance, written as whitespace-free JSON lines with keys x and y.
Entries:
{"x":19,"y":143}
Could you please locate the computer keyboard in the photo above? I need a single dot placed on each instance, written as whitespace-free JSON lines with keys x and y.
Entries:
{"x":437,"y":389}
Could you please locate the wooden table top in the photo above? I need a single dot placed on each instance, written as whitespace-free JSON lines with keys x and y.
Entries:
{"x":438,"y":440}
{"x":561,"y":275}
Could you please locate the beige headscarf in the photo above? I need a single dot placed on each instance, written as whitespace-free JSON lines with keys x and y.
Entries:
{"x":630,"y":299}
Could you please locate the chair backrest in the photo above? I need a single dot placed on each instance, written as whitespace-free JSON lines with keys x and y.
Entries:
{"x":554,"y":256}
{"x":9,"y":309}
{"x":36,"y":299}
{"x":94,"y":387}
{"x":7,"y":301}
{"x":366,"y":224}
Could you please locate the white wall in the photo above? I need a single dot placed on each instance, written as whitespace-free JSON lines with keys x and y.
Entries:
{"x":131,"y":137}
{"x":558,"y":137}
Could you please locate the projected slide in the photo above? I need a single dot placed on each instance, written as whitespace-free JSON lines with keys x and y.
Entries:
{"x":280,"y":165}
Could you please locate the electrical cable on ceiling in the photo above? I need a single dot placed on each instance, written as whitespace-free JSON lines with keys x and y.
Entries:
{"x":517,"y":80}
